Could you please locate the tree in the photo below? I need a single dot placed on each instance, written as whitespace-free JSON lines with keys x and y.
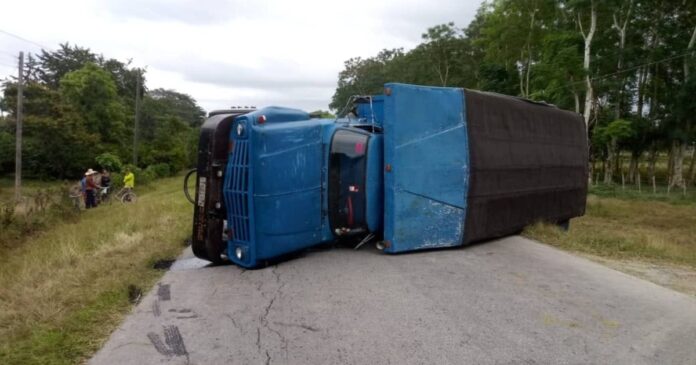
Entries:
{"x":92,"y":93}
{"x":588,"y":37}
{"x":610,"y":135}
{"x":443,"y":46}
{"x":684,"y":106}
{"x":79,"y":105}
{"x":54,"y":65}
{"x":175,"y":103}
{"x":620,"y":23}
{"x":363,"y":77}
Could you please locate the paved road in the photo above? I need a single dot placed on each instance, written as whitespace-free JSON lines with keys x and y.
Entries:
{"x":511,"y":301}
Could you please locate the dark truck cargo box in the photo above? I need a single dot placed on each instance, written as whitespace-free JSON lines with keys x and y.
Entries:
{"x":528,"y":162}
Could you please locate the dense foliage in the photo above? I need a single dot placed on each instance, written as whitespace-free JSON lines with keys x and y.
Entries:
{"x":626,"y":65}
{"x":79,"y":113}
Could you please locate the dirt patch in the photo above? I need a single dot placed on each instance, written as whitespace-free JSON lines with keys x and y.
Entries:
{"x":164,"y":264}
{"x":679,"y":278}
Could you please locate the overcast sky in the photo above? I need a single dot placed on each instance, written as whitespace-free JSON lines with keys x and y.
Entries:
{"x":229,"y":52}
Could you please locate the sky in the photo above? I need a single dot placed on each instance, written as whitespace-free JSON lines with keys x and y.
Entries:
{"x":229,"y":52}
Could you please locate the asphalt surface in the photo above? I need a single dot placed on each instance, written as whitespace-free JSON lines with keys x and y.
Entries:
{"x":510,"y":301}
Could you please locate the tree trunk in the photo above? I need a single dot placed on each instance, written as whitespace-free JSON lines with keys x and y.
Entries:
{"x":642,"y":75}
{"x":618,"y":161}
{"x":677,"y":179}
{"x":521,"y":76}
{"x":637,"y":172}
{"x":670,"y":164}
{"x":632,"y":168}
{"x":589,"y":94}
{"x":604,"y":167}
{"x":611,"y":162}
{"x":651,"y":162}
{"x":576,"y":97}
{"x":524,"y":79}
{"x":686,"y":58}
{"x":691,"y":172}
{"x":590,"y":172}
{"x":621,"y":29}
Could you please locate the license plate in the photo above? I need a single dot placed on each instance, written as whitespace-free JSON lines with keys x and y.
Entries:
{"x":201,"y":191}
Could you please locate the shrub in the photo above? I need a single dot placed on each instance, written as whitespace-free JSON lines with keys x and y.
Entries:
{"x":109,"y":161}
{"x":160,"y":170}
{"x":144,"y":177}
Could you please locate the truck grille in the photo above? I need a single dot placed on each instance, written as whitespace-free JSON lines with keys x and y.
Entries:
{"x":237,"y":191}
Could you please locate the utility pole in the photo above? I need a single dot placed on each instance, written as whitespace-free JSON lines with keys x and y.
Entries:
{"x":18,"y":143}
{"x":137,"y":117}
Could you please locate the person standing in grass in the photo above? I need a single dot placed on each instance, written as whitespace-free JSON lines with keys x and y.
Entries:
{"x":129,"y":180}
{"x":83,"y":186}
{"x":90,"y":189}
{"x":105,"y":179}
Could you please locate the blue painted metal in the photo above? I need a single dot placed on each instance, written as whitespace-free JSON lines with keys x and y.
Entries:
{"x":374,"y":184}
{"x":426,"y":167}
{"x":274,"y":184}
{"x":276,"y":177}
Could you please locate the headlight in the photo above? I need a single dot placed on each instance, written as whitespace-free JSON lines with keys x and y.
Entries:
{"x":240,"y":129}
{"x":239,"y":253}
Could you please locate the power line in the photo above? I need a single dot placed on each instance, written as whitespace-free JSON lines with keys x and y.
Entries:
{"x":25,"y":40}
{"x":605,"y":76}
{"x":13,"y":55}
{"x":8,"y":58}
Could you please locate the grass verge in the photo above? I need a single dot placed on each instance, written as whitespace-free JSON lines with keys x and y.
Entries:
{"x":629,"y":228}
{"x":64,"y":291}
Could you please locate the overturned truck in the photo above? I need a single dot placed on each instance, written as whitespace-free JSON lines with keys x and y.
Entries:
{"x":415,"y":168}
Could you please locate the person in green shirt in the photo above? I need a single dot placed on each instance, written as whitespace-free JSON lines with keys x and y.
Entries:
{"x":129,"y":180}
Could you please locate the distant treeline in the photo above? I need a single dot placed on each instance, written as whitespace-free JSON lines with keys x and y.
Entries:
{"x":79,"y":110}
{"x":626,"y":65}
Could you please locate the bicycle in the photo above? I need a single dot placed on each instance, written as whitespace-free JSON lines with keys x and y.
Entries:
{"x":104,"y":195}
{"x":126,"y":195}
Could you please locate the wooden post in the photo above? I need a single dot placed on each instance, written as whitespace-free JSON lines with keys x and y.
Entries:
{"x":654,"y":187}
{"x":136,"y":121}
{"x":18,"y":143}
{"x":623,"y":181}
{"x":638,"y":177}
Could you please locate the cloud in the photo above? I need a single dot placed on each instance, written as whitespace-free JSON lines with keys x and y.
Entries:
{"x":266,"y":74}
{"x":184,"y":11}
{"x":233,"y":51}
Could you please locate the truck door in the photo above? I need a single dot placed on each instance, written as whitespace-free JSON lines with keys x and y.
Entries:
{"x":426,"y":171}
{"x":347,"y":184}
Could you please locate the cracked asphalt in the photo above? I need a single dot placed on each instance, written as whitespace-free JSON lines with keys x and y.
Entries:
{"x":509,"y":301}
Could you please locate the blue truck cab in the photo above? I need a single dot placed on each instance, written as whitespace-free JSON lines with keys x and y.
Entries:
{"x":293,"y":182}
{"x":399,"y":167}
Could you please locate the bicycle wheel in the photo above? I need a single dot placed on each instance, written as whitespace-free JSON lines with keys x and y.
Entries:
{"x":129,"y":197}
{"x":106,"y":198}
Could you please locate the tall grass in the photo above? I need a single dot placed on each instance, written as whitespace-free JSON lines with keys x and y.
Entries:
{"x":63,"y":291}
{"x":38,"y":209}
{"x":630,"y":228}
